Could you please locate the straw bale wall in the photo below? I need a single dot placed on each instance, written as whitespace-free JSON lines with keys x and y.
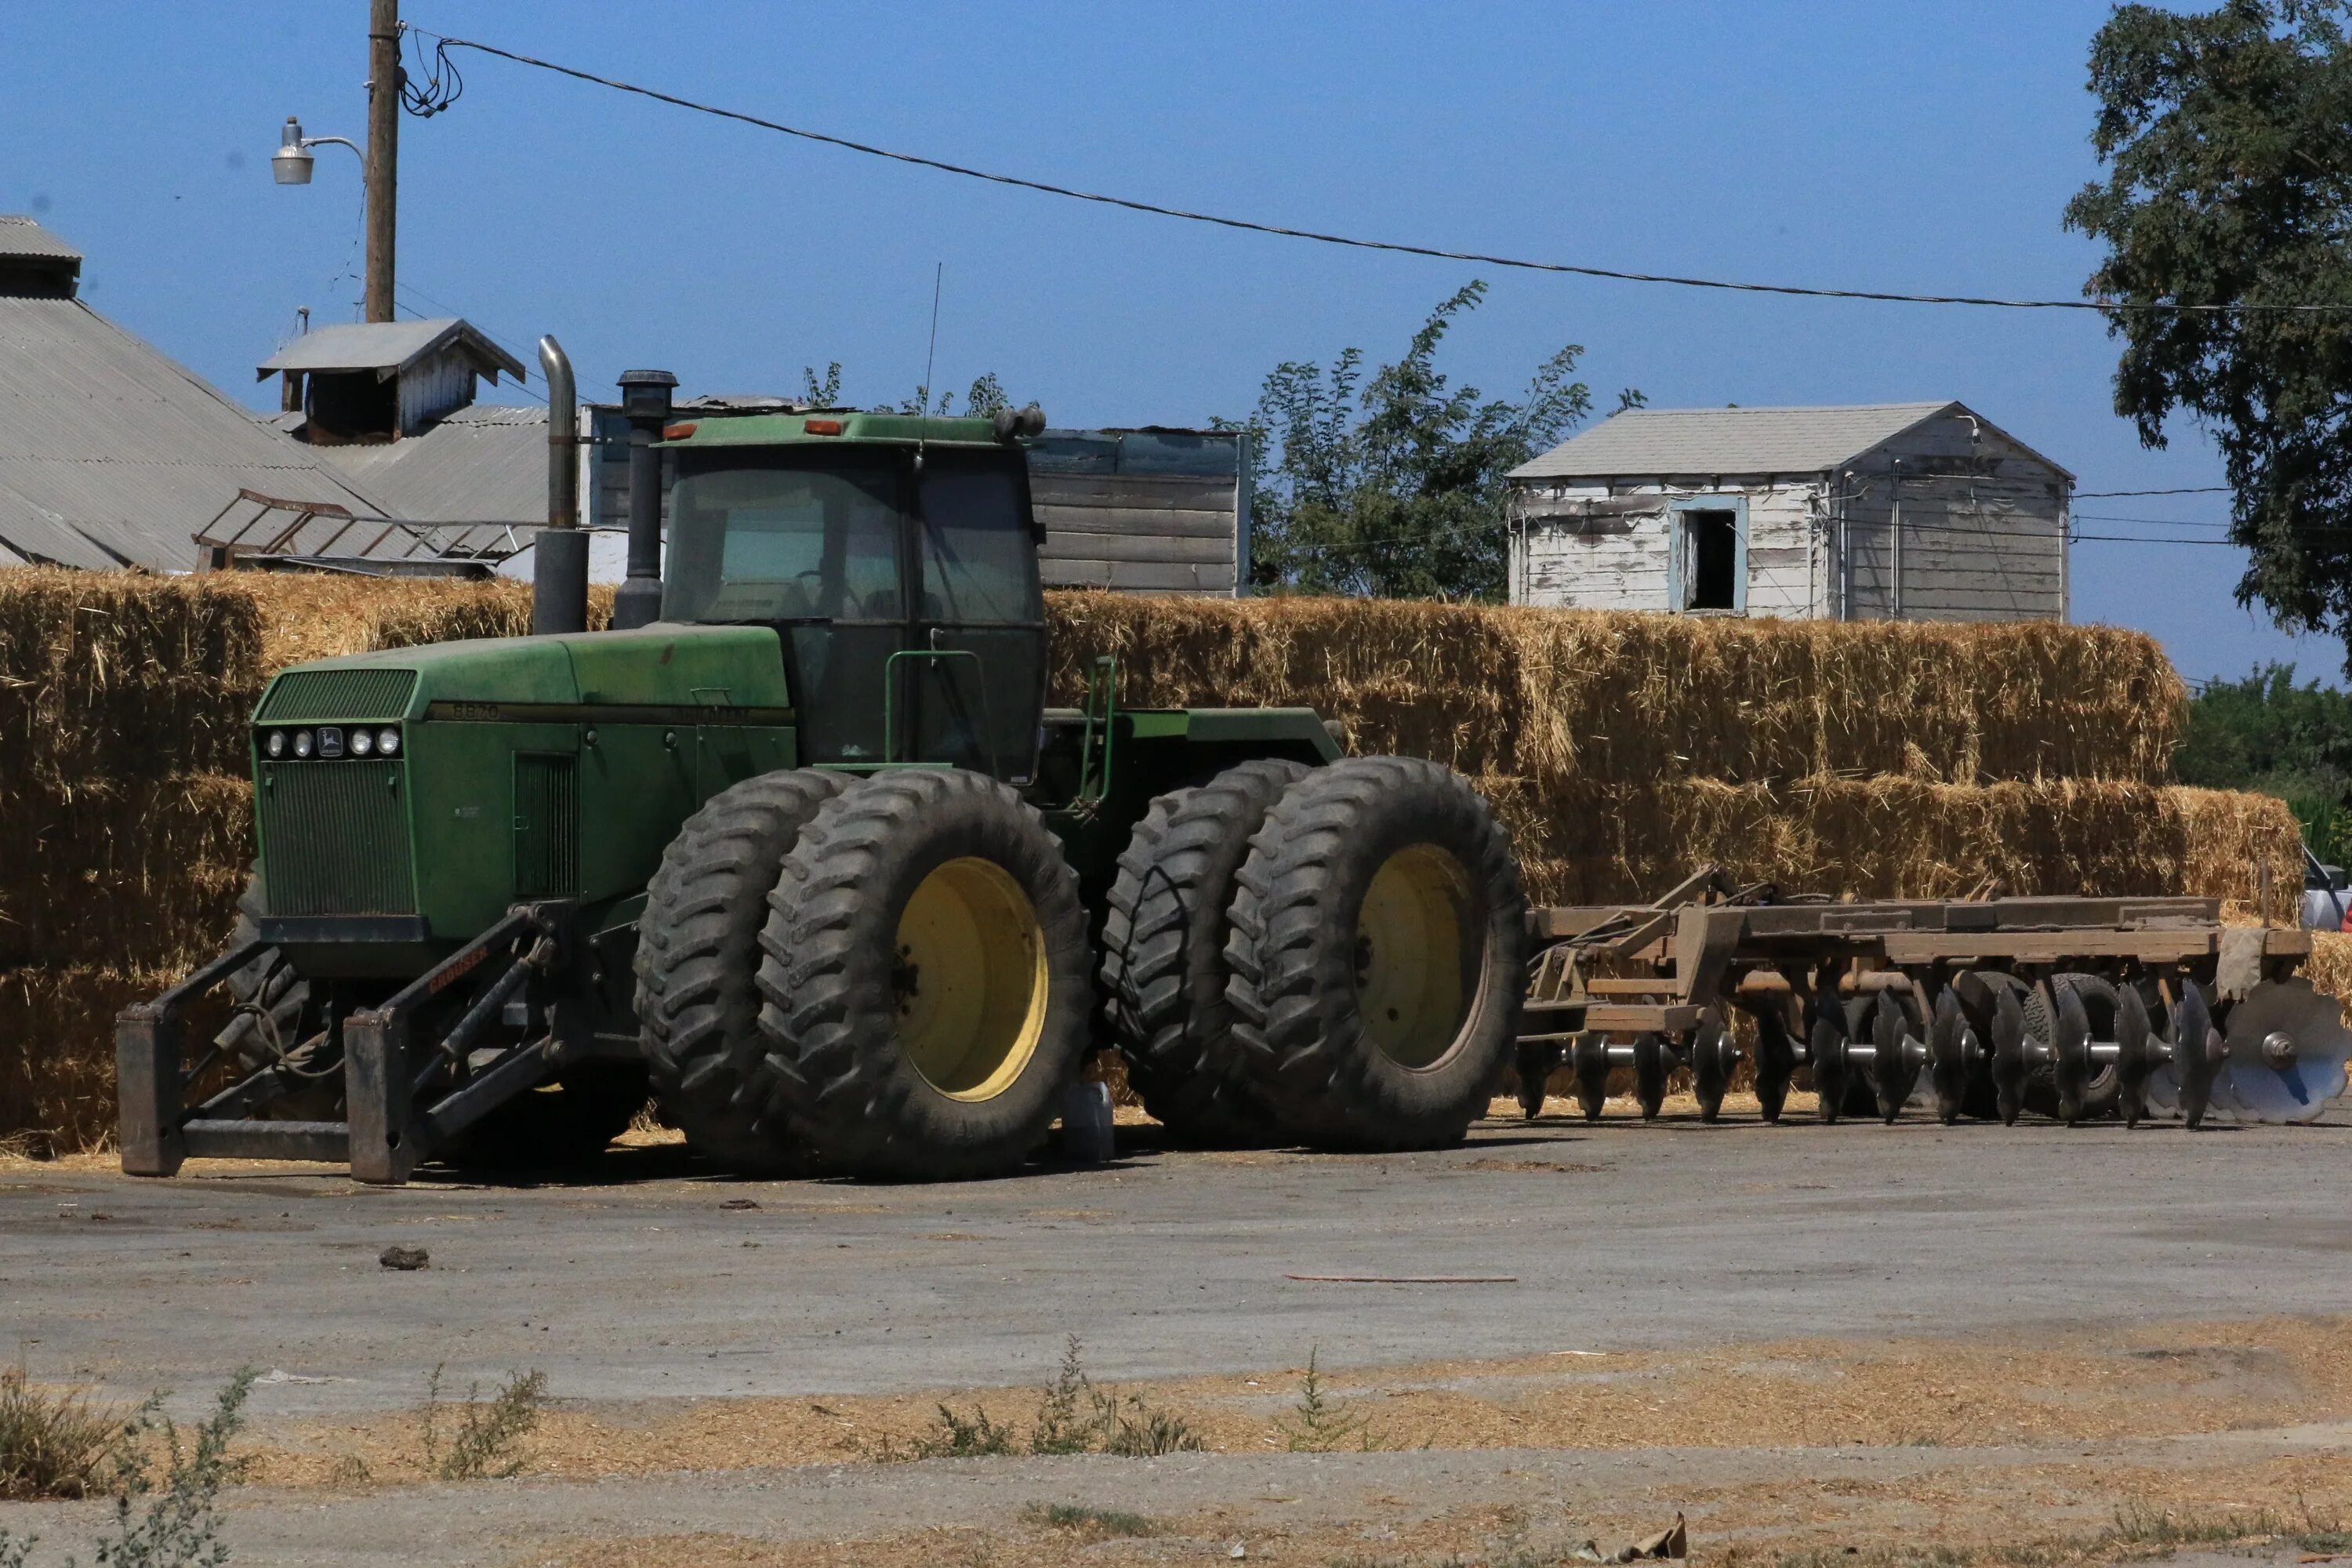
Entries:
{"x":1556,"y":696}
{"x":1897,"y":836}
{"x":1621,"y":751}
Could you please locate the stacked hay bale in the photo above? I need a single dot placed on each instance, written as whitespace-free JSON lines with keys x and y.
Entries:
{"x":1621,"y":749}
{"x":125,"y":793}
{"x":1624,"y":751}
{"x":123,"y":702}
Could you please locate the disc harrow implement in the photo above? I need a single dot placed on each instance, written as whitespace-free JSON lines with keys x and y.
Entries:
{"x":2069,"y":1009}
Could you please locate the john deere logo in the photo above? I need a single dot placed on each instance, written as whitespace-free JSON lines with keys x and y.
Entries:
{"x":331,"y":743}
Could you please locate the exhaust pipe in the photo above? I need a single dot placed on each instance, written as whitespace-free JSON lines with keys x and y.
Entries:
{"x":559,"y":578}
{"x":646,"y":405}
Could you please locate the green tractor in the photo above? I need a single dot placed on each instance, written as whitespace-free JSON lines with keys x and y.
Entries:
{"x":806,"y":855}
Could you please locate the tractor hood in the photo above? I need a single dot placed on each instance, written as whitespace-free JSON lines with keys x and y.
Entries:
{"x":659,"y":666}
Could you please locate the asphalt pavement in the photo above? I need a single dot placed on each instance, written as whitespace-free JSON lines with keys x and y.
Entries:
{"x":643,"y":1282}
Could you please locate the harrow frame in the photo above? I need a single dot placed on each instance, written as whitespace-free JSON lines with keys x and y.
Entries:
{"x":1680,"y":965}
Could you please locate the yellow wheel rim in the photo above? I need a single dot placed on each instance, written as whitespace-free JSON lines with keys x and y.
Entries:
{"x":1414,"y":971}
{"x":969,"y":981}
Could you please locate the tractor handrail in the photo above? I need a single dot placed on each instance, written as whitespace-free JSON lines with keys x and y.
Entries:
{"x":1094,"y":779}
{"x":890,"y":691}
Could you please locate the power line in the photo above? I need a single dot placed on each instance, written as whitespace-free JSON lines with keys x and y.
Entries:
{"x":1394,"y":246}
{"x":2185,"y":490}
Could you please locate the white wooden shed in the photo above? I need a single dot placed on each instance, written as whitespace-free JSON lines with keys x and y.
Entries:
{"x":1876,"y":511}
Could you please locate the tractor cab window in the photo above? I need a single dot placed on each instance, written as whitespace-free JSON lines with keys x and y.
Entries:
{"x":811,"y":544}
{"x":979,"y":560}
{"x":979,"y":678}
{"x":906,"y":596}
{"x":767,"y":542}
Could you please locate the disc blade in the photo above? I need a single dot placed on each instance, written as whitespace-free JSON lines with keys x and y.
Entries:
{"x":2299,"y":1091}
{"x":2133,"y":1063}
{"x":2073,"y":1046}
{"x":1828,"y":1044}
{"x":2009,"y":1064}
{"x":1948,"y":1071}
{"x":1890,"y":1071}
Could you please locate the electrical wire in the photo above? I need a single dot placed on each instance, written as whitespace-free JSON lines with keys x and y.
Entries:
{"x":2185,"y":490}
{"x":2127,"y":307}
{"x":431,"y":88}
{"x":1986,"y":528}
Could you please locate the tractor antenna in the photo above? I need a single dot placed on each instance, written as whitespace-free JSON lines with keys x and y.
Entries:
{"x":930,"y":357}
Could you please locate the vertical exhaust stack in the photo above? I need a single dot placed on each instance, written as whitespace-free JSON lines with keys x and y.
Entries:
{"x":559,"y":579}
{"x":646,"y":403}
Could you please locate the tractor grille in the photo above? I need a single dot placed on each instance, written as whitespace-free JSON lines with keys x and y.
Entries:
{"x":334,"y":838}
{"x":309,"y":694}
{"x":546,"y":827}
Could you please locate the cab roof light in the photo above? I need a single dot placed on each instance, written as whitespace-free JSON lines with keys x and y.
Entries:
{"x":822,"y":426}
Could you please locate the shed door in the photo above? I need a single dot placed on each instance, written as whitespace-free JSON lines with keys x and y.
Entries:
{"x":1708,"y":555}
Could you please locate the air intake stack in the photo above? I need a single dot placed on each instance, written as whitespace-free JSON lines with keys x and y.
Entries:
{"x":646,"y":403}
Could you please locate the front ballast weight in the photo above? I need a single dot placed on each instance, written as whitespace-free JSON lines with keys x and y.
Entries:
{"x":483,"y":1027}
{"x":2075,"y":1009}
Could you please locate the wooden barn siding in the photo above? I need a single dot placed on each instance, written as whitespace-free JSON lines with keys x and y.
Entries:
{"x":1147,"y":533}
{"x":431,"y":389}
{"x":1618,"y":556}
{"x":1984,"y":536}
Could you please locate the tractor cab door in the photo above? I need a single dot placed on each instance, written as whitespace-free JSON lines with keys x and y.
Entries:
{"x":809,"y":543}
{"x":973,"y":673}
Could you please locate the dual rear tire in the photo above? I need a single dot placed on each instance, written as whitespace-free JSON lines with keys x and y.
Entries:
{"x":883,"y":977}
{"x":890,"y":977}
{"x":1330,"y":957}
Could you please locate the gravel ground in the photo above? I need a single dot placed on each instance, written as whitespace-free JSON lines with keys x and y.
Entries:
{"x":1707,"y":1259}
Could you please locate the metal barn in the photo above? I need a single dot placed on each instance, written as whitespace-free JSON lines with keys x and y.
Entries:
{"x":1878,"y":511}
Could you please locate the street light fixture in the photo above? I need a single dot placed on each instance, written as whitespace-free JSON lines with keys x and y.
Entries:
{"x":290,"y":165}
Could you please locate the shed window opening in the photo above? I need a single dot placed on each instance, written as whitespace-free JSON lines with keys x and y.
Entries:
{"x":1710,"y":561}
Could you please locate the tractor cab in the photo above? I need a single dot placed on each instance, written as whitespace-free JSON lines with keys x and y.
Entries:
{"x":896,"y":559}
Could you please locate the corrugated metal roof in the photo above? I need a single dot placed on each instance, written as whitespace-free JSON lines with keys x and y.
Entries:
{"x":112,"y":454}
{"x":483,"y":464}
{"x":387,"y":348}
{"x":20,"y":235}
{"x":1726,"y":440}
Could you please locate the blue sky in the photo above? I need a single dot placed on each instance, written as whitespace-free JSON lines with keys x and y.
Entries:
{"x":1911,"y":148}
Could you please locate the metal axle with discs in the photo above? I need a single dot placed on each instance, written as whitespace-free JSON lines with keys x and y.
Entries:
{"x":1868,"y":1051}
{"x":2137,"y":1052}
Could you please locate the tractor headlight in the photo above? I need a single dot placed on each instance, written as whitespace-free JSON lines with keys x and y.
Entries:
{"x":273,"y":745}
{"x":363,"y":742}
{"x":303,"y":743}
{"x":387,"y":742}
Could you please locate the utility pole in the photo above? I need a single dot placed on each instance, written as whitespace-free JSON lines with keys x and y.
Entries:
{"x":382,"y":151}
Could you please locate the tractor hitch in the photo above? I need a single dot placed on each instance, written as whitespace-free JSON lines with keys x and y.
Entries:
{"x":413,"y":1072}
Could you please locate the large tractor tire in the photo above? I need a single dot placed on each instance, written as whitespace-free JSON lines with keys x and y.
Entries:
{"x":1163,"y":968}
{"x":925,"y":977}
{"x":1378,"y":952}
{"x":698,"y":960}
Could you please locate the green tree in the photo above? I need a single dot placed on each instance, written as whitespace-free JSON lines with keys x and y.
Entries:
{"x":2268,"y":734}
{"x":1393,"y":486}
{"x":985,"y":397}
{"x":2230,"y":181}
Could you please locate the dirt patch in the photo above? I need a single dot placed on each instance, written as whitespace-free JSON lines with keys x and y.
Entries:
{"x":1987,"y":1519}
{"x":1818,"y":1394}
